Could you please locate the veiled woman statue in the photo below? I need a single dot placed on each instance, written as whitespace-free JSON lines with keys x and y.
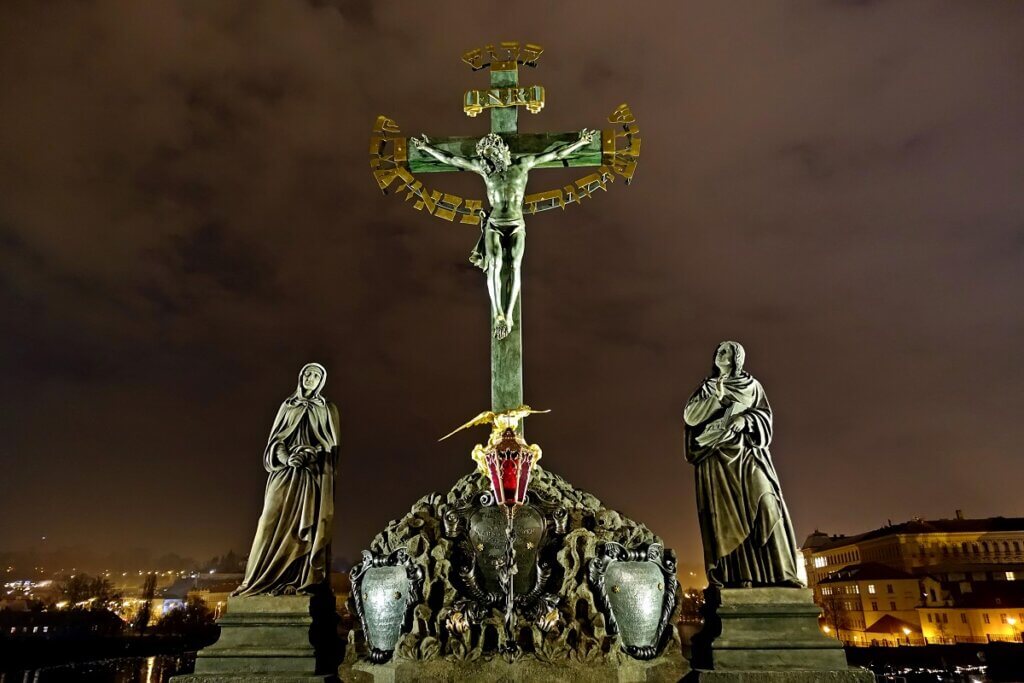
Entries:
{"x":290,"y":553}
{"x":747,"y":533}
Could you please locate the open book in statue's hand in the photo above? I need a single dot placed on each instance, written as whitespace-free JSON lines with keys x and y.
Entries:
{"x":718,"y":430}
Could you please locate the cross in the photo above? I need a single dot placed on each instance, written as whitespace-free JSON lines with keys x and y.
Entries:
{"x":393,"y":159}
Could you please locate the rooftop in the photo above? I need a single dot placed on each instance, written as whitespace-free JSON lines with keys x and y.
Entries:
{"x":819,"y":541}
{"x":993,"y":594}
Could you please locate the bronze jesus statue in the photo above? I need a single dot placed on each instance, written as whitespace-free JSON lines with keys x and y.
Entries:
{"x":503,"y":229}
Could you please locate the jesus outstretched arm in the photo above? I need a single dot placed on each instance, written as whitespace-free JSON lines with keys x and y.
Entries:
{"x":422,"y":143}
{"x":564,"y":150}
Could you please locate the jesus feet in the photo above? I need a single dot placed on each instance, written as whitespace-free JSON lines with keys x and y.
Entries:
{"x":501,"y":327}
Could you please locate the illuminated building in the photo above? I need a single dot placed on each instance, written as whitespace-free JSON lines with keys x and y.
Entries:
{"x":946,"y":580}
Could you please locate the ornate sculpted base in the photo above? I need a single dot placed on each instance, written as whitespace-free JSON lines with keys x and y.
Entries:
{"x":264,"y":638}
{"x":559,"y":627}
{"x":769,"y":635}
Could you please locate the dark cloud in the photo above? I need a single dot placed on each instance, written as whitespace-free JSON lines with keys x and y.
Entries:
{"x":187,"y":216}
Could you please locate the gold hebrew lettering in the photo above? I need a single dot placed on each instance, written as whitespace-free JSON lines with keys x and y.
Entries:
{"x":401,"y":151}
{"x":385,"y":125}
{"x":428,"y":199}
{"x":532,"y":200}
{"x":593,"y":178}
{"x":510,"y":50}
{"x":475,"y":58}
{"x":472,"y":207}
{"x":530,"y":53}
{"x":385,"y":177}
{"x":622,"y":114}
{"x":570,"y":194}
{"x":446,"y":213}
{"x":624,"y":166}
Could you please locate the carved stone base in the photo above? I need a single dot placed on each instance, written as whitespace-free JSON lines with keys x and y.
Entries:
{"x":766,"y":634}
{"x":847,"y":676}
{"x":668,"y":668}
{"x":262,"y":638}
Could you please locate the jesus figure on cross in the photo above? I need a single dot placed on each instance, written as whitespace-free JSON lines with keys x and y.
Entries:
{"x":503,"y":229}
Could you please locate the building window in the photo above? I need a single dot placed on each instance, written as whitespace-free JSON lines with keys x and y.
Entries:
{"x":1016,"y":546}
{"x":963,"y":617}
{"x":929,"y":615}
{"x":820,"y":562}
{"x":1002,"y":619}
{"x":892,"y":605}
{"x":874,"y":606}
{"x":888,"y":588}
{"x":871,"y":588}
{"x":985,"y":618}
{"x":945,"y":618}
{"x":1010,"y":576}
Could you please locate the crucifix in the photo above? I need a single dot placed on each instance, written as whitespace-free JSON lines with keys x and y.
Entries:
{"x":503,"y":158}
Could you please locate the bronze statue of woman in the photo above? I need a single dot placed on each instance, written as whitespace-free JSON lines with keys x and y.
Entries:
{"x":748,"y":537}
{"x":290,"y":553}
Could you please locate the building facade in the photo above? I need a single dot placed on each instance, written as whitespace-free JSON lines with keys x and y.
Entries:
{"x":946,"y":580}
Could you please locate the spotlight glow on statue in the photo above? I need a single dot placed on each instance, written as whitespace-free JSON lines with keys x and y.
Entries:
{"x":291,"y":551}
{"x":504,"y":230}
{"x":748,"y":536}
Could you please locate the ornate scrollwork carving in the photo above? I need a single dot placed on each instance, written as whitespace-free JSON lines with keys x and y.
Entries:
{"x":480,"y":584}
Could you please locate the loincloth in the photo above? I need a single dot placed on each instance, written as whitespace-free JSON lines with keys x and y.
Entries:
{"x":506,"y":228}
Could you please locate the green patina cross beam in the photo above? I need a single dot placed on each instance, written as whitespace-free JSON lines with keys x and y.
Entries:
{"x":503,"y":158}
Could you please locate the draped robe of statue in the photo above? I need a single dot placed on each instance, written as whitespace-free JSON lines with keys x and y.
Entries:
{"x":747,"y":533}
{"x":290,"y":553}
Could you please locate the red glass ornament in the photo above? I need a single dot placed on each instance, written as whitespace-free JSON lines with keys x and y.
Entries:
{"x":509,"y":465}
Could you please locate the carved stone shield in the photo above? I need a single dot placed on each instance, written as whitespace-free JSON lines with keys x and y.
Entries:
{"x":384,"y":588}
{"x":487,"y":535}
{"x":637,"y":591}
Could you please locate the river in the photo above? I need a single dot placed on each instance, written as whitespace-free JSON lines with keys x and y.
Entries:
{"x":157,"y":669}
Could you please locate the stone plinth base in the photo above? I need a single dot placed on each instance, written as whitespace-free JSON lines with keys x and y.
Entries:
{"x":766,"y":634}
{"x":847,"y":676}
{"x":669,"y":668}
{"x":262,"y":638}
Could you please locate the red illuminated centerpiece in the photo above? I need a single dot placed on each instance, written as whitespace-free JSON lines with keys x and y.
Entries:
{"x":509,"y":463}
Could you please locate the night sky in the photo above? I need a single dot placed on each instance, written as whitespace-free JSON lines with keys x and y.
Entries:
{"x":187,"y":216}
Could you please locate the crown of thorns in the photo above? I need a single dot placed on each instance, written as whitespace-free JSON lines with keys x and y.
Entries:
{"x":490,"y":141}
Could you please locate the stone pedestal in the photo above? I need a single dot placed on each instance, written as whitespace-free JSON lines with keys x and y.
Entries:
{"x":669,"y":668}
{"x":767,"y":634}
{"x":262,"y":638}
